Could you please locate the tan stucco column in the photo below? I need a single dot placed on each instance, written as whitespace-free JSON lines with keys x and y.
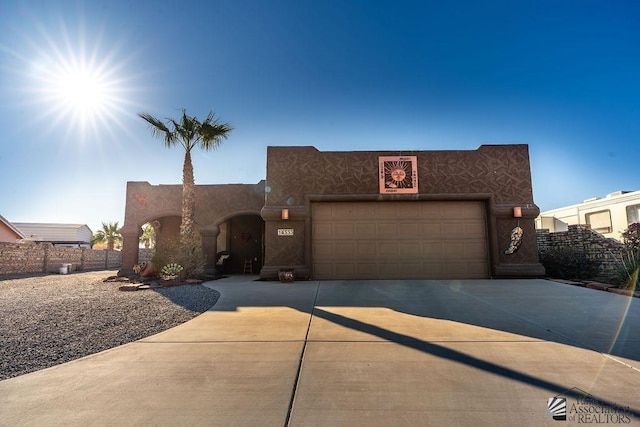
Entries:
{"x":209,"y":237}
{"x":130,"y":242}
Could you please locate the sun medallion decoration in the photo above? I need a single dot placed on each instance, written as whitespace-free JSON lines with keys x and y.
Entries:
{"x":398,"y":174}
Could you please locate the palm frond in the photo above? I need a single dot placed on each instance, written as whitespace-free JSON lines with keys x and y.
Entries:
{"x":213,"y":132}
{"x":159,"y":129}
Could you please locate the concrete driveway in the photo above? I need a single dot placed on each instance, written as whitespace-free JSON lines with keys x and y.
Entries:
{"x":360,"y":353}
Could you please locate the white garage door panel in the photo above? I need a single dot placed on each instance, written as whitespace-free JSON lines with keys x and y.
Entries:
{"x":386,"y":240}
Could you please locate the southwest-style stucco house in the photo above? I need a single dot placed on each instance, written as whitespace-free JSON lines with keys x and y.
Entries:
{"x":8,"y":231}
{"x":361,"y":215}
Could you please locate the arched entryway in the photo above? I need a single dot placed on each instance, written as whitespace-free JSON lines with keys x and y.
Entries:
{"x":242,"y":236}
{"x":216,"y":205}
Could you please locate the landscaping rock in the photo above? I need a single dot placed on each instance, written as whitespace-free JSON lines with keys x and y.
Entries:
{"x":599,"y":286}
{"x":48,"y":320}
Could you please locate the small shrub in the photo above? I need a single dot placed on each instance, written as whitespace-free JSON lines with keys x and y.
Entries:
{"x":631,"y":237}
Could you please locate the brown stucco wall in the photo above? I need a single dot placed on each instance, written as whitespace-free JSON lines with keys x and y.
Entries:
{"x":499,"y":175}
{"x":146,"y":202}
{"x":214,"y":205}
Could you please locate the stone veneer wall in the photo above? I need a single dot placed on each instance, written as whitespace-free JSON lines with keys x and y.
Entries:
{"x":605,"y":252}
{"x":36,"y":258}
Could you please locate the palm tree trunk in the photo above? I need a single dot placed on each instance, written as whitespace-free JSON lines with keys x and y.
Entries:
{"x":188,"y":196}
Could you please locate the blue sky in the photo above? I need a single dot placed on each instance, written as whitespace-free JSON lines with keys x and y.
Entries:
{"x":563,"y":77}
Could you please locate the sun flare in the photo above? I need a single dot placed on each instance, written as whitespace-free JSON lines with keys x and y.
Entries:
{"x":82,"y":90}
{"x":78,"y":81}
{"x":82,"y":93}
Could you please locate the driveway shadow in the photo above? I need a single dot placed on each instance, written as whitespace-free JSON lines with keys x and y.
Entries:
{"x":529,"y":309}
{"x":541,"y":309}
{"x":535,"y":308}
{"x":443,"y":352}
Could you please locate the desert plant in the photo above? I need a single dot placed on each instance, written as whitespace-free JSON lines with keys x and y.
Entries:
{"x":191,"y":256}
{"x":186,"y":251}
{"x":629,"y":268}
{"x":171,"y":271}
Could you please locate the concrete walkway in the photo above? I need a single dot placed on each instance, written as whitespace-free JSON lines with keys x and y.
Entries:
{"x":359,"y":353}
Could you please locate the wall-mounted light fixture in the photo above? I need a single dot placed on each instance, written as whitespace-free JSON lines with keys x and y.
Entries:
{"x":285,"y":214}
{"x":517,"y":212}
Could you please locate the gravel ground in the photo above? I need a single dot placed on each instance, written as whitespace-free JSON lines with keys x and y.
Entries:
{"x":48,"y":320}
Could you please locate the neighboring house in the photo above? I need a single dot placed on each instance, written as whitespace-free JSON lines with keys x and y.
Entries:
{"x":66,"y":235}
{"x":609,"y":216}
{"x":8,"y":232}
{"x":360,"y":215}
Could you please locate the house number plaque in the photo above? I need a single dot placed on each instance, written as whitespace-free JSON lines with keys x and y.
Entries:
{"x":285,"y":231}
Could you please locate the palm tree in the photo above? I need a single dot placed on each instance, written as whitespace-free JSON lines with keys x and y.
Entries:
{"x":189,"y":132}
{"x":148,"y":236}
{"x":110,"y":233}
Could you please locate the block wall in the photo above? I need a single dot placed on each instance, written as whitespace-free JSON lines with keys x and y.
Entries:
{"x":605,"y":252}
{"x":18,"y":258}
{"x":38,"y":258}
{"x":145,"y":255}
{"x":56,"y":256}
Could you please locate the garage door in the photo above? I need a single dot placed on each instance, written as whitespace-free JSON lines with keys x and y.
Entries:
{"x":398,"y":240}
